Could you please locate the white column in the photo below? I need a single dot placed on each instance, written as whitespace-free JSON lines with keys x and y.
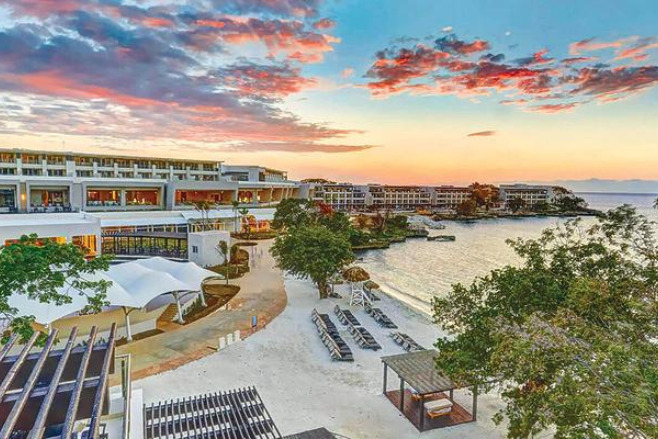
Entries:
{"x":126,"y":313}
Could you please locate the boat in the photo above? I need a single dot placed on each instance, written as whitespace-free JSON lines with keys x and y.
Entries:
{"x":441,"y":238}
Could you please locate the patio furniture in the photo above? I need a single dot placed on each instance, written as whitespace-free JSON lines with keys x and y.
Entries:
{"x":439,"y":407}
{"x":380,"y":317}
{"x":407,"y":343}
{"x":345,"y":316}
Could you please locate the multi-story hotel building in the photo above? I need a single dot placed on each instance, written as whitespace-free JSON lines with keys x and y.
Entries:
{"x":343,"y":196}
{"x":449,"y":197}
{"x":400,"y":197}
{"x":530,"y":194}
{"x":43,"y":181}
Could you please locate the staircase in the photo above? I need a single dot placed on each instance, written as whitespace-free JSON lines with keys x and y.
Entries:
{"x":166,"y":320}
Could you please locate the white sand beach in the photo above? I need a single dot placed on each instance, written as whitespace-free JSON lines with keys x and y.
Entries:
{"x":304,"y":389}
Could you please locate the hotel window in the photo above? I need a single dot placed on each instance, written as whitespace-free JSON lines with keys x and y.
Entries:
{"x":31,"y":171}
{"x":143,"y":197}
{"x":7,"y":198}
{"x":195,"y":249}
{"x":7,"y":171}
{"x":30,"y":159}
{"x":7,"y":158}
{"x":55,"y":160}
{"x":56,"y":173}
{"x":103,"y":197}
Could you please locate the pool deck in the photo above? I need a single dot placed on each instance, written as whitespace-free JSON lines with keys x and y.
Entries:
{"x":261,"y":294}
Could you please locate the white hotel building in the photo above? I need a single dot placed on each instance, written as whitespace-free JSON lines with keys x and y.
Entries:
{"x":119,"y":203}
{"x":530,"y":194}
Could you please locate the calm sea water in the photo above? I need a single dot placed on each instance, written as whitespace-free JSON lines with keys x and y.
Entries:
{"x":417,"y":270}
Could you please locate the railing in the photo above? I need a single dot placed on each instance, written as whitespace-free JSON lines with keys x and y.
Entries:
{"x":126,"y":391}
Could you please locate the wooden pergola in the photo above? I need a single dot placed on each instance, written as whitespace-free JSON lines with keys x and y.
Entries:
{"x":43,"y":394}
{"x":418,"y":371}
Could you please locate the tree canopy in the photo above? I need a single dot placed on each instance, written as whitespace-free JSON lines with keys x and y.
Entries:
{"x":569,"y":337}
{"x":313,"y":251}
{"x":44,"y":270}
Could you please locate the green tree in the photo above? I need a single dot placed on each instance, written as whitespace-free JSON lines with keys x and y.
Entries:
{"x":314,"y":252}
{"x":541,"y":207}
{"x":466,"y":208}
{"x":570,"y":204}
{"x":569,"y":336}
{"x":204,"y":208}
{"x":228,"y":253}
{"x":292,"y":212}
{"x":46,"y":271}
{"x":515,"y":204}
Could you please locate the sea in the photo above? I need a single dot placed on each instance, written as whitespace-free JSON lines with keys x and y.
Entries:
{"x":417,"y":270}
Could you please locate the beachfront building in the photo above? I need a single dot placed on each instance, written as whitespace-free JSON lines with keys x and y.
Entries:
{"x":530,"y":194}
{"x":345,"y":197}
{"x":449,"y":197}
{"x":400,"y":197}
{"x":46,"y":181}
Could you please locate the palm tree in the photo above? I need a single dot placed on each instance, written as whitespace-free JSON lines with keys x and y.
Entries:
{"x":245,"y":221}
{"x":224,"y":250}
{"x":236,"y":207}
{"x":655,"y":203}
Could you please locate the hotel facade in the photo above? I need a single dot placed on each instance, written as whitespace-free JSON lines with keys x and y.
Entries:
{"x":40,"y":181}
{"x":353,"y":198}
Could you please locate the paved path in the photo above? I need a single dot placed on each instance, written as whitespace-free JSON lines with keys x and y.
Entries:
{"x":261,"y":293}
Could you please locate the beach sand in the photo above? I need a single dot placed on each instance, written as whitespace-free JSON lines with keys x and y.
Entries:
{"x":304,"y":389}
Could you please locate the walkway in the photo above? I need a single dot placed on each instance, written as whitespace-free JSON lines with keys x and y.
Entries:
{"x":261,"y":293}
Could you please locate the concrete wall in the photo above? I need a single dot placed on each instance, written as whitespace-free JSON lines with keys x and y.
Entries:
{"x":201,"y":247}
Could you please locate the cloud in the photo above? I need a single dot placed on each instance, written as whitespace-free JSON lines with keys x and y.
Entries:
{"x":447,"y":29}
{"x":347,"y":72}
{"x":165,"y":72}
{"x":538,"y":83}
{"x":482,"y":134}
{"x":591,"y":45}
{"x":324,"y":24}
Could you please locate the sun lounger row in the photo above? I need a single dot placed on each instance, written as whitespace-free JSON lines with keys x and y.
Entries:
{"x":345,"y":316}
{"x":407,"y":343}
{"x":324,"y":321}
{"x":380,"y":317}
{"x":363,"y":338}
{"x":370,"y":295}
{"x":338,"y":349}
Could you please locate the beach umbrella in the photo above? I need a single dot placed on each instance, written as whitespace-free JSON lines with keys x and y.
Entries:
{"x":356,"y":274}
{"x":371,"y":285}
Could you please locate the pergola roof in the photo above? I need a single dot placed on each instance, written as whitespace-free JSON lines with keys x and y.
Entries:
{"x":134,"y":284}
{"x":419,"y":371}
{"x":55,"y":386}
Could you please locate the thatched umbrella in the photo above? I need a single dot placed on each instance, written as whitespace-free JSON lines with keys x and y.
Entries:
{"x":371,"y":285}
{"x":355,"y":274}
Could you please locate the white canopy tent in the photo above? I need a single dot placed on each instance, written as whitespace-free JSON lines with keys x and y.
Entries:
{"x":133,"y":285}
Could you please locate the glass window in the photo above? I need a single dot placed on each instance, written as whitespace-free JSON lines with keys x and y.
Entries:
{"x":143,"y":197}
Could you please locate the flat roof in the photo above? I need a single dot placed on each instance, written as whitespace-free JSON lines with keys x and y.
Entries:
{"x":45,"y":219}
{"x":418,"y":369}
{"x":100,"y":155}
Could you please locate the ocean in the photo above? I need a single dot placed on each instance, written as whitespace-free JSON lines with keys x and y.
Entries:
{"x":417,"y":270}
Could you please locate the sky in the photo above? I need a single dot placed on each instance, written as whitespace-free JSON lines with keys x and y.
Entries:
{"x":389,"y":91}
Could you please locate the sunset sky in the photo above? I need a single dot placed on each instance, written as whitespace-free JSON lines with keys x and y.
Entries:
{"x":387,"y":91}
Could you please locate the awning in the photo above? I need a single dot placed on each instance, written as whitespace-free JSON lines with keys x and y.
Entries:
{"x":134,"y":284}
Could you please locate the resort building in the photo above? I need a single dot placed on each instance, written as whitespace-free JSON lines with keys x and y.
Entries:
{"x":449,"y":197}
{"x":530,"y":194}
{"x":44,"y":181}
{"x":400,"y":197}
{"x":343,"y":196}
